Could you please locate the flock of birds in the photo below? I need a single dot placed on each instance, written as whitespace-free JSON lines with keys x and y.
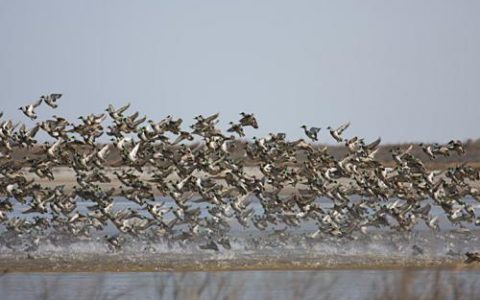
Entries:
{"x":191,"y":185}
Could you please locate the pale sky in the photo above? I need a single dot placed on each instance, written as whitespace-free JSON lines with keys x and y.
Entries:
{"x":406,"y":70}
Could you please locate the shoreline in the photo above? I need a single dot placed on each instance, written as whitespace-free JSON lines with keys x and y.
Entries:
{"x":122,"y":265}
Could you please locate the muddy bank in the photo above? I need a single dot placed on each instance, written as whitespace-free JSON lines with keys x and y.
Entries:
{"x":120,"y":263}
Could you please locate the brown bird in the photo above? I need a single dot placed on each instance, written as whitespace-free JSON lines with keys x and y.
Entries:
{"x":248,"y":120}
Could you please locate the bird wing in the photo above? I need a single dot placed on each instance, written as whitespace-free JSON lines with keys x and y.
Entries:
{"x":123,"y":108}
{"x":36,"y":104}
{"x":342,"y":128}
{"x":110,"y":108}
{"x":134,"y":151}
{"x":408,"y":149}
{"x":374,"y":144}
{"x":55,"y":97}
{"x":254,"y":122}
{"x":211,"y":118}
{"x":134,"y":116}
{"x":33,"y":131}
{"x":104,"y":150}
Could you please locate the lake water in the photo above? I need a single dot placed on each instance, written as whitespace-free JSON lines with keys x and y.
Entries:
{"x":278,"y":285}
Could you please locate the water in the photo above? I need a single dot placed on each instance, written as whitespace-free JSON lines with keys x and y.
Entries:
{"x":279,"y":285}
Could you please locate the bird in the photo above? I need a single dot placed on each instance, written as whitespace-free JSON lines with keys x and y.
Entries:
{"x":311,"y":133}
{"x":211,"y":245}
{"x":248,"y":120}
{"x":51,"y":99}
{"x":166,"y":182}
{"x":457,"y":146}
{"x":237,"y":128}
{"x":427,"y":149}
{"x":29,"y":110}
{"x":336,"y":133}
{"x":114,"y":242}
{"x":472,"y":257}
{"x":117,"y":114}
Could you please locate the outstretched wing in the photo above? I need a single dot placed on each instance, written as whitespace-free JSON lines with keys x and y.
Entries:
{"x":374,"y":144}
{"x":315,"y":129}
{"x":211,"y":118}
{"x":123,"y":108}
{"x":55,"y":97}
{"x":36,"y":104}
{"x":342,"y":128}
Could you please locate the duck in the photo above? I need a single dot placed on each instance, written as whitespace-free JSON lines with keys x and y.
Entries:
{"x":472,"y":257}
{"x":337,"y":133}
{"x":248,"y":120}
{"x":51,"y":99}
{"x":29,"y":110}
{"x":237,"y":128}
{"x":117,"y":114}
{"x":311,"y":133}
